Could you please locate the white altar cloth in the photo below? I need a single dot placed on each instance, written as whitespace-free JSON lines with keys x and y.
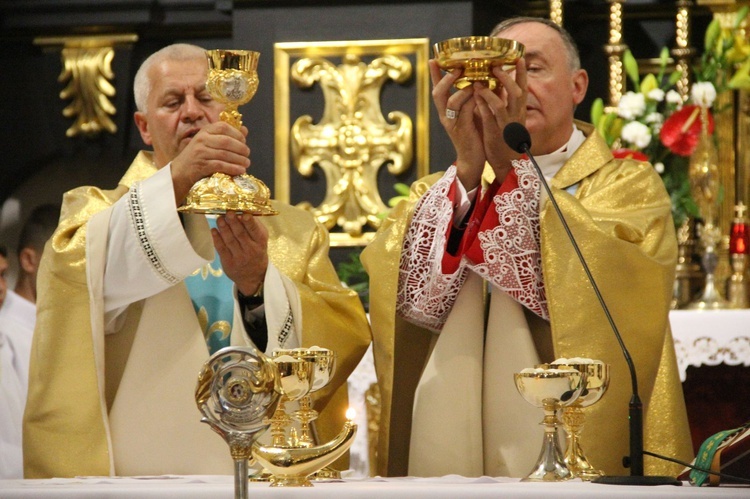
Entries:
{"x":710,"y":337}
{"x":222,"y":487}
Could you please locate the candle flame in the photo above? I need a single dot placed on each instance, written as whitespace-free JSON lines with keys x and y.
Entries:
{"x":350,"y":413}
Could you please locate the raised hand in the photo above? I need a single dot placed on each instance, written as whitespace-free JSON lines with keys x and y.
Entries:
{"x":457,"y":115}
{"x":242,"y":244}
{"x":498,"y":107}
{"x":217,"y":147}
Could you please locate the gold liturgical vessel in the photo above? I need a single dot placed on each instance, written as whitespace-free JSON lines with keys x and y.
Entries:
{"x":597,"y":382}
{"x":240,"y":389}
{"x":550,"y":388}
{"x":476,"y":56}
{"x":293,"y":456}
{"x":233,"y":81}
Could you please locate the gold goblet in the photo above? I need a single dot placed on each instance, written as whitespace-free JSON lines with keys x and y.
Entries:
{"x":476,"y":56}
{"x":597,"y":381}
{"x":550,"y":389}
{"x":233,"y":81}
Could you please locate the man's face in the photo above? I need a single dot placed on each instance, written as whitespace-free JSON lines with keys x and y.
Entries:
{"x":3,"y":283}
{"x":554,"y":89}
{"x":178,"y":106}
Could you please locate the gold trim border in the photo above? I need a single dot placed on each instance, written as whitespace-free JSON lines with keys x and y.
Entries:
{"x":284,"y":52}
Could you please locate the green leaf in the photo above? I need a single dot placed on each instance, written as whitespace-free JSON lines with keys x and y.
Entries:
{"x":597,"y":110}
{"x":648,"y":84}
{"x":674,"y":77}
{"x":712,"y":34}
{"x":741,"y":15}
{"x":741,"y":79}
{"x":631,"y":69}
{"x":401,"y":188}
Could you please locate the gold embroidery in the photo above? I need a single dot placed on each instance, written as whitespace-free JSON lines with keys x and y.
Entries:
{"x":207,"y":269}
{"x":222,"y":327}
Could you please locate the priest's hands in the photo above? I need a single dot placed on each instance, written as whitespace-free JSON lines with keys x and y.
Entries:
{"x":475,"y":117}
{"x":217,"y":147}
{"x":242,"y":244}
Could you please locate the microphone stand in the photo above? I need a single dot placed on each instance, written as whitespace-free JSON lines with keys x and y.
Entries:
{"x":635,"y":415}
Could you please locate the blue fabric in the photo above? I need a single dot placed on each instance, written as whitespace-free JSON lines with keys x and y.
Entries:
{"x":211,"y":293}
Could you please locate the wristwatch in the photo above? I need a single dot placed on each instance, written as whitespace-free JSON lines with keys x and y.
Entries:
{"x":253,"y":301}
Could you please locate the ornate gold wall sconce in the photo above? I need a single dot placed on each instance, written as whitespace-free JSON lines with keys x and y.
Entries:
{"x":87,"y":71}
{"x":352,"y":140}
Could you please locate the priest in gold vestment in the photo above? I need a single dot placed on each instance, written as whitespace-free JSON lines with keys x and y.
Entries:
{"x":120,"y":338}
{"x":474,"y":278}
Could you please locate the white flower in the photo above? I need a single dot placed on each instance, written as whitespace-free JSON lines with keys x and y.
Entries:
{"x":631,"y":105}
{"x":703,"y":93}
{"x":659,"y":167}
{"x":636,"y":133}
{"x":674,"y":97}
{"x":656,"y":94}
{"x":654,"y":118}
{"x":655,"y":121}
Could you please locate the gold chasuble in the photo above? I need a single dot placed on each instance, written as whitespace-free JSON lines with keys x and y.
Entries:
{"x":141,"y":418}
{"x":620,"y":216}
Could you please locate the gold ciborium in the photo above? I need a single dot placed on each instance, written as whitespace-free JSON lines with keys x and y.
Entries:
{"x":233,"y":81}
{"x":476,"y":56}
{"x":597,"y":381}
{"x":294,"y":456}
{"x":550,"y":389}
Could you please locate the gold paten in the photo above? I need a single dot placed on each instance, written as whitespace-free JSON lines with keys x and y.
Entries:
{"x":87,"y":70}
{"x":476,"y":56}
{"x":353,"y":139}
{"x":233,"y":81}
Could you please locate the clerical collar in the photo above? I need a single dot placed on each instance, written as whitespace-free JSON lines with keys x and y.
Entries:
{"x":551,"y":163}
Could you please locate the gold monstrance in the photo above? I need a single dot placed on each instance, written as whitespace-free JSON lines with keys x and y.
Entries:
{"x":233,"y":81}
{"x":476,"y":56}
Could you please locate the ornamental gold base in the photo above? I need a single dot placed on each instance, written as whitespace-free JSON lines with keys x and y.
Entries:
{"x":220,"y":193}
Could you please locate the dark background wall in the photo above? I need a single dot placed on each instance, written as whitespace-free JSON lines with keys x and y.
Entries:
{"x":39,"y":162}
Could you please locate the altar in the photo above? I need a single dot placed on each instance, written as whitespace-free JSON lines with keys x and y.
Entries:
{"x":452,"y":486}
{"x":713,"y":357}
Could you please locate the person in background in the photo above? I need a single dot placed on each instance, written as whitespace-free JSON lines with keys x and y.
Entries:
{"x":18,"y":315}
{"x":446,"y":350}
{"x":12,"y":395}
{"x":17,"y":318}
{"x":132,"y":301}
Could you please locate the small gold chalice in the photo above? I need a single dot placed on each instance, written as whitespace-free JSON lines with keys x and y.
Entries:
{"x":233,"y":81}
{"x":551,"y":389}
{"x":597,"y":381}
{"x":476,"y":56}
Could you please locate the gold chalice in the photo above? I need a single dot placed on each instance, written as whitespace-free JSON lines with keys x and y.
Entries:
{"x":597,"y":381}
{"x":233,"y":81}
{"x":551,"y":389}
{"x":476,"y":56}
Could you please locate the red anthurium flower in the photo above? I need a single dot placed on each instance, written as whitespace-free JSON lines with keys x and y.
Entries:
{"x":629,"y":154}
{"x":681,"y":130}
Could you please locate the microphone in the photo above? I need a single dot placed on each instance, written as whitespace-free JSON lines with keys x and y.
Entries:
{"x":517,"y":137}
